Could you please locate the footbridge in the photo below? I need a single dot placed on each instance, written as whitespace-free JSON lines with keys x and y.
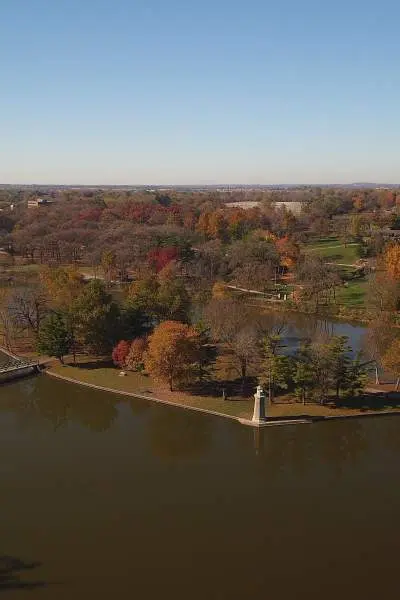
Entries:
{"x":14,"y":367}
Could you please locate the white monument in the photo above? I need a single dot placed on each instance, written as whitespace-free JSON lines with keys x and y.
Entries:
{"x":259,"y":406}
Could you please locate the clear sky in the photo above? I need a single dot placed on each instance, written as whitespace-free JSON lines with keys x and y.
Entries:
{"x":205,"y":91}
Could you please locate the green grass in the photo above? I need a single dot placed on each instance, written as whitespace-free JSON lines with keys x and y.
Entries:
{"x":353,"y":294}
{"x":333,"y":250}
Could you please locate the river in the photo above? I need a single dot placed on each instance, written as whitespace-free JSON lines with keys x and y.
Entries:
{"x":104,"y":497}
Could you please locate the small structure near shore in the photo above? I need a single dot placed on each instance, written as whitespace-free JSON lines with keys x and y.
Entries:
{"x":259,"y":406}
{"x":16,"y":367}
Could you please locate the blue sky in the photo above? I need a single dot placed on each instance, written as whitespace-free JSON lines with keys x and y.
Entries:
{"x":174,"y":91}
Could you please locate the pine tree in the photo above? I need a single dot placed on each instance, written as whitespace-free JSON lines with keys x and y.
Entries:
{"x":303,"y":377}
{"x":277,"y":368}
{"x":55,"y":338}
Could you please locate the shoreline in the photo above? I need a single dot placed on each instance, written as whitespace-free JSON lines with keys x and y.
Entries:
{"x":271,"y":421}
{"x":137,"y":395}
{"x":8,"y":353}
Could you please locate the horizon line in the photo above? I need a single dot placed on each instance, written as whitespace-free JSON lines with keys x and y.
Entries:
{"x":172,"y":185}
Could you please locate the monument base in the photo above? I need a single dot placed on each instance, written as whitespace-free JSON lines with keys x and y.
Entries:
{"x":274,"y":422}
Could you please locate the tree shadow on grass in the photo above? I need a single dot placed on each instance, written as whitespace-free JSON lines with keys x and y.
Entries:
{"x":93,"y":364}
{"x":371,"y":402}
{"x":234,"y":389}
{"x":11,"y":570}
{"x":335,"y":257}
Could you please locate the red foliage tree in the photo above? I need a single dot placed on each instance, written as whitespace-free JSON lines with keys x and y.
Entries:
{"x":161,"y":257}
{"x":120,"y":352}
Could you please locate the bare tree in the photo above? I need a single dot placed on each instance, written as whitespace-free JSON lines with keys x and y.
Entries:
{"x":232,"y":324}
{"x":378,"y":338}
{"x":27,"y":309}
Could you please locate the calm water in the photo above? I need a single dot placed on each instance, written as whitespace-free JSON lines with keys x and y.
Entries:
{"x":124,"y":499}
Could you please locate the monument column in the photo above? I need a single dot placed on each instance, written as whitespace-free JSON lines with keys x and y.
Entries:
{"x":259,"y":406}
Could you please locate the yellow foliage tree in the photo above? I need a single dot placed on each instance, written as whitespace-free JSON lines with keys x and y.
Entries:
{"x":173,"y":351}
{"x":220,"y":291}
{"x":62,"y":285}
{"x":392,"y":261}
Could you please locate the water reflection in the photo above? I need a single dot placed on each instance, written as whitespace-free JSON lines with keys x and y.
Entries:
{"x":175,"y":433}
{"x":11,"y":572}
{"x":137,"y":498}
{"x":36,"y":399}
{"x":300,"y":448}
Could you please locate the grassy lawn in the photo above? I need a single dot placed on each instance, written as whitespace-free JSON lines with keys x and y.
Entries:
{"x":98,"y":373}
{"x":334,"y":250}
{"x":107,"y":376}
{"x":353,"y":294}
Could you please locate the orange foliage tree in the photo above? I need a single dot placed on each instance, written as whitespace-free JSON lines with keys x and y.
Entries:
{"x":173,"y":352}
{"x":289,"y":251}
{"x":134,"y":359}
{"x":392,"y":261}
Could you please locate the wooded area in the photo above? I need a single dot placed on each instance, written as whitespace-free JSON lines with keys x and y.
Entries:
{"x":176,"y":284}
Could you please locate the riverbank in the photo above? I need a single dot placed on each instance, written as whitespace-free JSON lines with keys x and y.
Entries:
{"x":105,"y":378}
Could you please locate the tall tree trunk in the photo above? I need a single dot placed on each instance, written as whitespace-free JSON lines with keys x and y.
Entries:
{"x":377,"y":382}
{"x":243,"y":371}
{"x":397,"y":384}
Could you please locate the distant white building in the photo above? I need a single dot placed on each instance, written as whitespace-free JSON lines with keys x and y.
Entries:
{"x":293,"y":207}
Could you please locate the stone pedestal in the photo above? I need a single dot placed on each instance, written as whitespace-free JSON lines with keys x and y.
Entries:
{"x":259,"y":406}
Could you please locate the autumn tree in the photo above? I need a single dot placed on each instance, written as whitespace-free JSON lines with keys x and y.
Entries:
{"x":383,"y":293}
{"x":120,"y":353}
{"x":135,"y":357}
{"x":392,"y":261}
{"x":143,"y":295}
{"x":62,"y":285}
{"x":391,"y":360}
{"x":318,"y":280}
{"x":108,"y":263}
{"x":172,"y":353}
{"x":253,"y":263}
{"x":378,"y":337}
{"x":220,"y":291}
{"x":289,"y":251}
{"x":160,"y":257}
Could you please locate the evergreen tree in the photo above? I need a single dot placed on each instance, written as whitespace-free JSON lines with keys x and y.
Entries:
{"x":277,"y":367}
{"x":340,"y":363}
{"x":303,"y":376}
{"x":96,"y":318}
{"x":55,"y":337}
